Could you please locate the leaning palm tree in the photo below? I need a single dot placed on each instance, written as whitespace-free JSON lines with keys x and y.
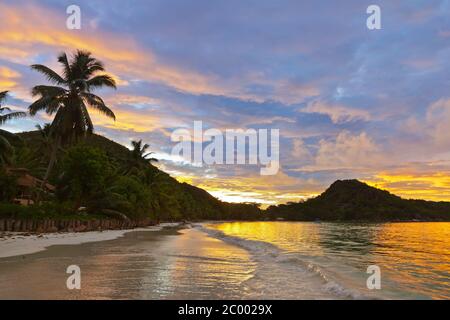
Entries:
{"x":69,"y":98}
{"x":6,"y":150}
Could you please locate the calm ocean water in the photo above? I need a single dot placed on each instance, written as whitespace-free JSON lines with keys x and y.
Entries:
{"x":243,"y":260}
{"x":332,"y":258}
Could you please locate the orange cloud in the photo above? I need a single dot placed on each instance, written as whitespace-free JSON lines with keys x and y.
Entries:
{"x":30,"y":27}
{"x":266,"y":190}
{"x":434,"y":186}
{"x":128,"y":120}
{"x":8,"y":78}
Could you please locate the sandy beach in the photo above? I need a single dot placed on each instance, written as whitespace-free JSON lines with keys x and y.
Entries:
{"x":148,"y":263}
{"x":237,"y":260}
{"x":18,"y":243}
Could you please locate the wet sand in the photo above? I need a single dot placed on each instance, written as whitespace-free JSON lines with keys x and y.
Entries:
{"x":237,"y":260}
{"x":168,"y":264}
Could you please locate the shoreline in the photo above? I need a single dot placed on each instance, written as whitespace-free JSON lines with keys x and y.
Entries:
{"x":14,"y":244}
{"x":51,"y":225}
{"x":18,"y":243}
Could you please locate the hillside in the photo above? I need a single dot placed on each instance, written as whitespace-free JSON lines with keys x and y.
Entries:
{"x":354,"y":200}
{"x":164,"y":198}
{"x":171,"y":200}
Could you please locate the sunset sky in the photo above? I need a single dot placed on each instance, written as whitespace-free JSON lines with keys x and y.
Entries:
{"x":349,"y":102}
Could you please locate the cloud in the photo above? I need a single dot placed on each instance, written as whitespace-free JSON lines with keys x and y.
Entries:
{"x":415,"y":185}
{"x":337,"y":113}
{"x":31,"y":29}
{"x":348,"y":103}
{"x":255,"y":188}
{"x":438,"y":122}
{"x":348,"y":151}
{"x":8,"y":78}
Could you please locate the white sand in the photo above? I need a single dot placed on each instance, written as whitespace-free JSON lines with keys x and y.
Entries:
{"x":16,"y":243}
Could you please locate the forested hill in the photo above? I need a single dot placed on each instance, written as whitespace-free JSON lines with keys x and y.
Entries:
{"x":104,"y":176}
{"x":145,"y":189}
{"x":348,"y":200}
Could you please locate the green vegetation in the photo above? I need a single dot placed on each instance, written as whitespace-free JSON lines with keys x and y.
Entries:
{"x":68,"y":172}
{"x":69,"y":98}
{"x":108,"y":179}
{"x":50,"y":210}
{"x":95,"y":174}
{"x":6,"y":150}
{"x":353,"y":200}
{"x":8,"y":186}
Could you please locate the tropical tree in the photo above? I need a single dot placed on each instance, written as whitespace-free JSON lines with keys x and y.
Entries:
{"x":139,"y":157}
{"x":6,"y":149}
{"x":10,"y":115}
{"x":69,"y":97}
{"x":46,"y":142}
{"x":85,"y":172}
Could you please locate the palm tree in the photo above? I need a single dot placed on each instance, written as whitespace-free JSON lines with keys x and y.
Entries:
{"x":46,"y":142}
{"x":140,"y":158}
{"x":139,"y":152}
{"x":6,"y":150}
{"x":69,"y":98}
{"x":10,"y":115}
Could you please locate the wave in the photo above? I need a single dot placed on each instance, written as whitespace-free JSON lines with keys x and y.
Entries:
{"x":284,"y":275}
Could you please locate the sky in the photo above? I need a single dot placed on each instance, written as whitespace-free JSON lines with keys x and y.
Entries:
{"x":350,"y":103}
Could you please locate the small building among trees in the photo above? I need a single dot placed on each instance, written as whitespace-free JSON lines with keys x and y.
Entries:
{"x":28,"y":186}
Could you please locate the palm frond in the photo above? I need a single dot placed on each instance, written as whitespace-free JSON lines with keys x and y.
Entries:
{"x":49,"y":104}
{"x":51,"y":75}
{"x":146,"y":157}
{"x":4,"y":109}
{"x":84,"y":65}
{"x":62,"y":58}
{"x":47,"y":91}
{"x":100,"y":81}
{"x":97,"y":103}
{"x":3,"y":96}
{"x":12,"y":115}
{"x":144,"y":148}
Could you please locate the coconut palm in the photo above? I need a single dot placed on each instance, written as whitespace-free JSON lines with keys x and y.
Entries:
{"x":69,"y":97}
{"x":46,"y":142}
{"x":6,"y":150}
{"x":139,"y":157}
{"x":139,"y":152}
{"x":10,"y":115}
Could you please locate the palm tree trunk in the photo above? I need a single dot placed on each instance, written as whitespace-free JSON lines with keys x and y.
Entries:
{"x":50,"y":166}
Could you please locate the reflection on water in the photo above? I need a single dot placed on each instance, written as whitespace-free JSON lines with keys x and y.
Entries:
{"x":414,"y":257}
{"x":142,"y":265}
{"x":243,"y":260}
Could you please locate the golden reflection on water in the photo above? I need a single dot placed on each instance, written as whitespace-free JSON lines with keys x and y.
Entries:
{"x":414,"y":259}
{"x":413,"y":256}
{"x":417,"y":254}
{"x":286,"y":235}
